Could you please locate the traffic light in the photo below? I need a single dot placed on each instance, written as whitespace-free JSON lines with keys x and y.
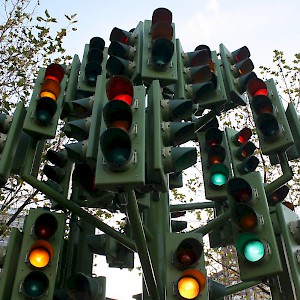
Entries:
{"x":278,"y":195}
{"x":185,"y":267}
{"x":125,"y":53}
{"x":254,"y":236}
{"x":159,"y":52}
{"x":82,"y":287}
{"x":215,"y":164}
{"x":10,"y":130}
{"x":39,"y":261}
{"x":289,"y":224}
{"x":121,"y":155}
{"x":200,"y":77}
{"x":46,"y":102}
{"x":93,"y":65}
{"x":241,"y":150}
{"x":268,"y":113}
{"x":58,"y":170}
{"x":164,"y":135}
{"x":237,"y":68}
{"x":83,"y":124}
{"x":117,"y":255}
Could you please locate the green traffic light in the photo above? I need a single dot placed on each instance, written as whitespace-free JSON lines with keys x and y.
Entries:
{"x":254,"y":251}
{"x":35,"y":285}
{"x":219,"y":175}
{"x":218,"y":179}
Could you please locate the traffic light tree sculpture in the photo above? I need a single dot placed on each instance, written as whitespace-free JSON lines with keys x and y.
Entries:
{"x":129,"y":109}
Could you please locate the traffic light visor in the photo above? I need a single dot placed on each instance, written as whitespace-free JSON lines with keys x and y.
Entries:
{"x":51,"y":89}
{"x":188,"y":253}
{"x":240,"y":190}
{"x":256,"y":86}
{"x":97,"y":43}
{"x":120,"y":35}
{"x":55,"y":72}
{"x":35,"y":285}
{"x":120,"y":88}
{"x":162,"y":14}
{"x":45,"y":110}
{"x":161,"y":30}
{"x":162,"y":52}
{"x":117,"y":114}
{"x":116,"y":147}
{"x":45,"y":226}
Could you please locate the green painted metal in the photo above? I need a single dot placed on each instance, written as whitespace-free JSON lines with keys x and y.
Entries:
{"x":30,"y":125}
{"x":9,"y":268}
{"x":271,"y":264}
{"x":285,"y":139}
{"x":134,"y":176}
{"x":11,"y":143}
{"x":290,"y":233}
{"x":149,"y":74}
{"x":52,"y":271}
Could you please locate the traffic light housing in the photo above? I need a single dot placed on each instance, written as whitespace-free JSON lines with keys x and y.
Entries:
{"x":93,"y":65}
{"x":10,"y":130}
{"x":268,"y":113}
{"x":83,"y":124}
{"x":200,"y":77}
{"x":159,"y":51}
{"x":166,"y":132}
{"x":237,"y":68}
{"x":289,"y":224}
{"x":253,"y":231}
{"x":58,"y":169}
{"x":121,"y":155}
{"x":125,"y":53}
{"x":186,"y":276}
{"x":46,"y":102}
{"x":39,"y":260}
{"x":215,"y":164}
{"x":241,"y":150}
{"x":82,"y":287}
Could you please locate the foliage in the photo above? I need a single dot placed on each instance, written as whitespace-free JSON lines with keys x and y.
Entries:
{"x":27,"y":41}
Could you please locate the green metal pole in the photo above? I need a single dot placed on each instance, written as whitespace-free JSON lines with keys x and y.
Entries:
{"x":192,"y":206}
{"x":287,"y":174}
{"x":215,"y":223}
{"x":48,"y":191}
{"x":233,"y":289}
{"x":158,"y":222}
{"x":141,"y":245}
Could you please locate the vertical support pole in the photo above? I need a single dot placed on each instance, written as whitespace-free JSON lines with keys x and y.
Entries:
{"x":157,"y":220}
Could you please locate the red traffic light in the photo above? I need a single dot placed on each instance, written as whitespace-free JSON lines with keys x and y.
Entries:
{"x":256,"y":86}
{"x":55,"y":72}
{"x":240,"y":190}
{"x":120,"y":88}
{"x":279,"y":195}
{"x":188,"y":253}
{"x":45,"y":226}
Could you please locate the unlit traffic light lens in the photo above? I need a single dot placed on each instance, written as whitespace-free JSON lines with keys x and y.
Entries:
{"x":35,"y":285}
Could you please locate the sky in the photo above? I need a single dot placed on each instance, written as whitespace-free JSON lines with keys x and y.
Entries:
{"x":261,"y":25}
